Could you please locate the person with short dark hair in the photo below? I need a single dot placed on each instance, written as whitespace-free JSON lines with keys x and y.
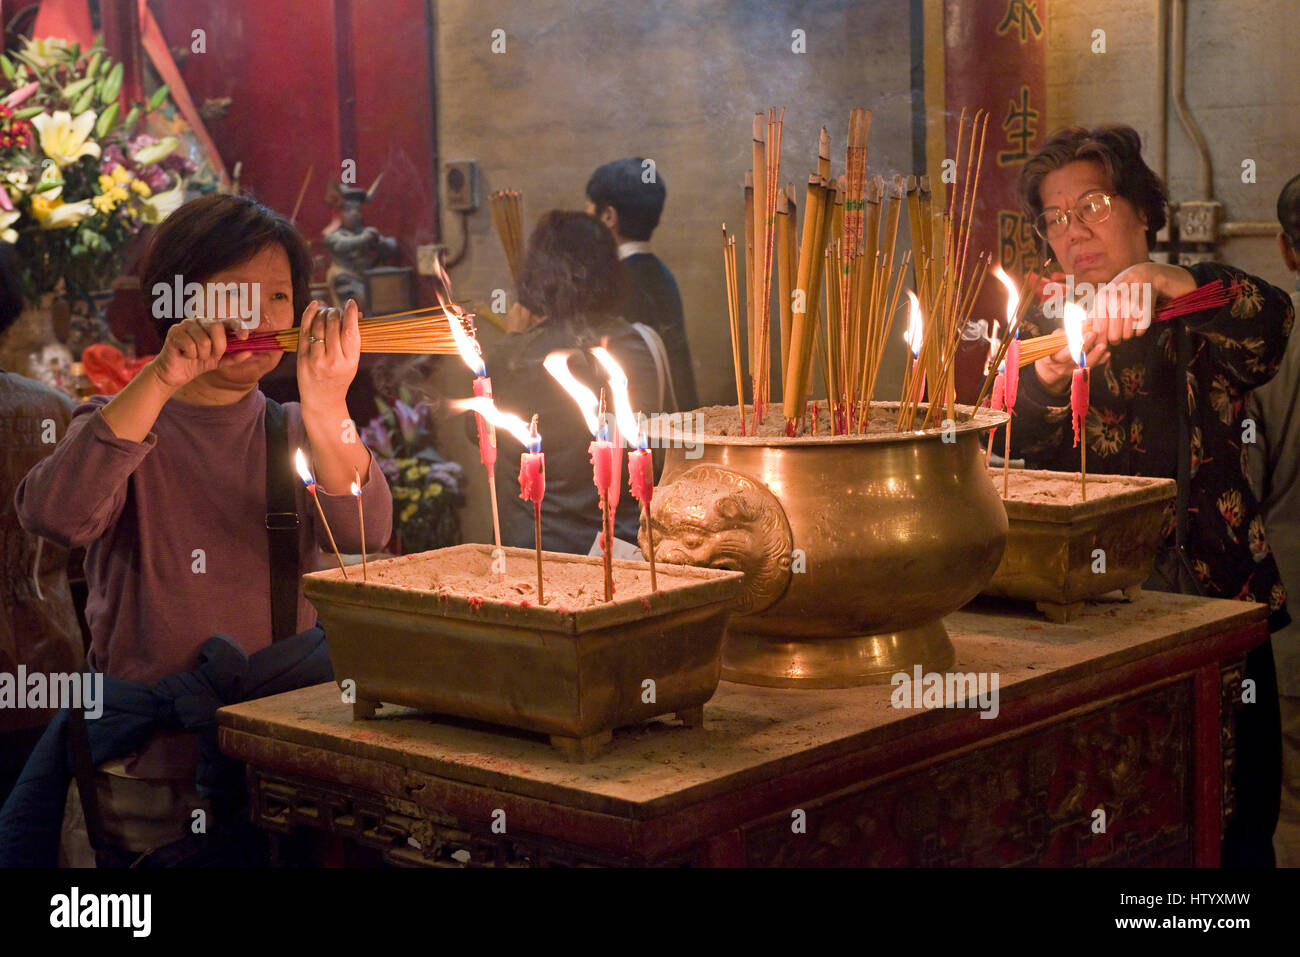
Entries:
{"x":1097,"y":205}
{"x":628,"y":196}
{"x":572,"y":283}
{"x":1275,"y":476}
{"x":166,"y":483}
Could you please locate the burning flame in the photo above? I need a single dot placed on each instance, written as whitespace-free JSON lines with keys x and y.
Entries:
{"x":502,"y":420}
{"x":1074,"y":316}
{"x":557,"y":364}
{"x":915,"y":332}
{"x":1013,"y":299}
{"x":356,"y":489}
{"x":628,"y":424}
{"x":300,"y":463}
{"x":466,"y":344}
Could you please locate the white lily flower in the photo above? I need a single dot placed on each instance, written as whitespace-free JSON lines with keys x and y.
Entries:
{"x":43,"y":50}
{"x":7,"y":233}
{"x":68,"y":214}
{"x":156,"y":208}
{"x":51,"y":174}
{"x":64,"y":139}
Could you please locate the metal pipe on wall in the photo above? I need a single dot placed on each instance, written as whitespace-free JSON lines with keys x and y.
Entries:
{"x":1232,"y":230}
{"x":1179,"y":57}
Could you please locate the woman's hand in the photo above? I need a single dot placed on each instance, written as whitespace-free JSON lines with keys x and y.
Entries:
{"x":1054,"y":371}
{"x":1125,"y":306}
{"x":329,"y":349}
{"x":193,"y":347}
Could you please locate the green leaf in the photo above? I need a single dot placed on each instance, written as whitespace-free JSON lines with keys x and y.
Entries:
{"x":112,"y":84}
{"x":27,"y":112}
{"x":74,"y":51}
{"x":105,"y":66}
{"x":106,"y":120}
{"x":47,"y":185}
{"x":158,"y":97}
{"x":8,"y":66}
{"x":92,"y":68}
{"x":131,"y":118}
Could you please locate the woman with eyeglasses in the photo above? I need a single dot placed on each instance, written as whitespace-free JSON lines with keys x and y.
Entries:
{"x":1166,"y":400}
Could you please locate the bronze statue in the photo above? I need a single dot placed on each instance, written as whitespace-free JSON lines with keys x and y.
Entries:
{"x":354,"y":248}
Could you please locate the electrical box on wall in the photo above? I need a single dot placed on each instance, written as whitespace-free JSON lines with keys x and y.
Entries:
{"x":462,"y":186}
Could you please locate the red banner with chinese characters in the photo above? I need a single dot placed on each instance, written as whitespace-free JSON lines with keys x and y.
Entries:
{"x":995,"y":58}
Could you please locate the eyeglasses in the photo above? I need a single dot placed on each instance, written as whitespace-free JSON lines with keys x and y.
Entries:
{"x":1054,"y":222}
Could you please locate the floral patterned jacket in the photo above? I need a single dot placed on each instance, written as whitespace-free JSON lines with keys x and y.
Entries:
{"x":1132,"y":426}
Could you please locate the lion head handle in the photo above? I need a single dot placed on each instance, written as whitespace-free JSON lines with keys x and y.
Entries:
{"x":719,"y":518}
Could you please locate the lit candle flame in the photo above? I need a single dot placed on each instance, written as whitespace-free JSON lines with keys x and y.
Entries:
{"x":623,"y":414}
{"x":557,"y":364}
{"x":502,"y":420}
{"x":300,"y":462}
{"x":1074,"y":316}
{"x":1013,"y":298}
{"x":466,"y":344}
{"x":356,"y":489}
{"x":915,"y":331}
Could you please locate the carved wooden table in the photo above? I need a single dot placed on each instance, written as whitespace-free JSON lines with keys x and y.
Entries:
{"x":1128,"y":710}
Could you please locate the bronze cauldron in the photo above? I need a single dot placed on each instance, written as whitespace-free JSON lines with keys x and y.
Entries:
{"x":853,"y":547}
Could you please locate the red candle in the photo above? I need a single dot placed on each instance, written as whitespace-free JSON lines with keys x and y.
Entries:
{"x":532,"y":488}
{"x":487,"y":436}
{"x":640,"y":475}
{"x":1079,"y":398}
{"x":1012,"y":373}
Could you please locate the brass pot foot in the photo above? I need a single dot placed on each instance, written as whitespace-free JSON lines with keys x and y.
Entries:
{"x":840,"y":662}
{"x":580,"y":749}
{"x":692,"y":717}
{"x":1057,"y":613}
{"x":1132,"y":592}
{"x":364,"y":708}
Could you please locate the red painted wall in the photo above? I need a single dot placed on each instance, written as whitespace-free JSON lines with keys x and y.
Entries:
{"x":278,"y":61}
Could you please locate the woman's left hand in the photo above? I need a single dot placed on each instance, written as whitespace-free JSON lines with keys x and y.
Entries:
{"x":1125,"y":306}
{"x":329,"y":349}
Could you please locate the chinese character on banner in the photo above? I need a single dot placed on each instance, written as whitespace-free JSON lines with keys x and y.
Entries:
{"x":1022,"y":15}
{"x":1020,"y":129}
{"x":1018,"y":245}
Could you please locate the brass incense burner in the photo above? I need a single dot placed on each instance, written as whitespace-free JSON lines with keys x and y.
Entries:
{"x":853,"y":547}
{"x":573,"y":674}
{"x":1061,"y":553}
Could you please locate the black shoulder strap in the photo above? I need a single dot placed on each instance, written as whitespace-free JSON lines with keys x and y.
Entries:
{"x":281,"y":523}
{"x":83,"y":769}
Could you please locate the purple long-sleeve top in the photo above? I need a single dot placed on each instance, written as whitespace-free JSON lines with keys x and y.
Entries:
{"x":175,"y":529}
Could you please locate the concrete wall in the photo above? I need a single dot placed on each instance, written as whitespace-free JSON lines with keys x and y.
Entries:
{"x":1243,"y":88}
{"x":582,"y":83}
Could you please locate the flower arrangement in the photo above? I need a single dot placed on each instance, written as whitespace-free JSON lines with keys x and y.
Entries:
{"x":77,"y":181}
{"x":426,"y":487}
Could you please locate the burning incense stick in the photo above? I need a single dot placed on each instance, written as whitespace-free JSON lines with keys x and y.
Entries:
{"x":427,"y":333}
{"x":361,"y":520}
{"x":300,"y":461}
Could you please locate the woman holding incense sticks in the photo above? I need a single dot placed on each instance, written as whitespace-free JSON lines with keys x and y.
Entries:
{"x":571,"y":278}
{"x":166,"y":483}
{"x":1160,"y":392}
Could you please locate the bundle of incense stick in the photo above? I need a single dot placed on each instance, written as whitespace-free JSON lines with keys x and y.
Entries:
{"x":733,"y":314}
{"x":423,"y":332}
{"x":507,"y":208}
{"x":948,"y":283}
{"x":1213,"y":295}
{"x":766,"y":185}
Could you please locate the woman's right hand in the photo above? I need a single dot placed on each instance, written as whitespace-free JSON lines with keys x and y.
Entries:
{"x":193,"y":347}
{"x":1056,"y":370}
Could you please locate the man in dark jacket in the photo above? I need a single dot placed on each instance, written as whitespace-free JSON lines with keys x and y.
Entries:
{"x":628,"y":196}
